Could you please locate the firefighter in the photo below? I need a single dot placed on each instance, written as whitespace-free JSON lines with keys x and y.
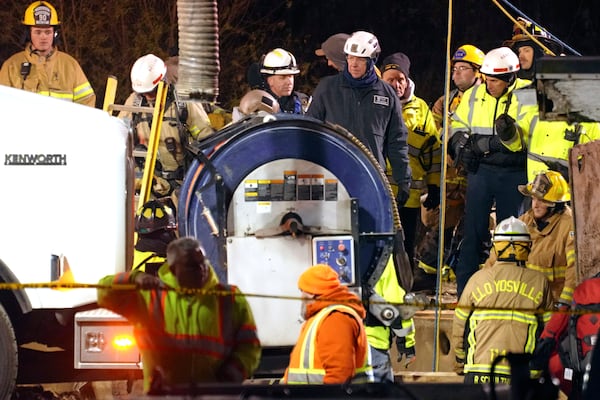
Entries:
{"x":41,"y":67}
{"x":424,"y":147}
{"x":488,"y":139}
{"x":528,"y":50}
{"x":501,"y":309}
{"x":550,"y":224}
{"x":550,"y":141}
{"x":179,"y":348}
{"x":182,"y":123}
{"x":156,"y":226}
{"x":278,"y":69}
{"x":332,"y":347}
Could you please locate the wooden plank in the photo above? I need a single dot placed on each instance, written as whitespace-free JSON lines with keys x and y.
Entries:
{"x":584,"y":170}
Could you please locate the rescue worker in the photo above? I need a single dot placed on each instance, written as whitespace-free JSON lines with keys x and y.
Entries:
{"x":466,"y":62}
{"x":278,"y":68}
{"x":156,"y":226}
{"x":424,"y":147}
{"x":528,"y":50}
{"x":179,"y":349}
{"x":550,"y":223}
{"x":381,"y":330}
{"x":550,"y":141}
{"x":493,"y":155}
{"x":333,"y":51}
{"x":182,"y":122}
{"x":501,"y":309}
{"x":42,"y":68}
{"x":551,"y":226}
{"x":359,"y":101}
{"x":332,"y":347}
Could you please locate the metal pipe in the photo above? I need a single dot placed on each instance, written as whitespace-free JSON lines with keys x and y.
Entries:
{"x":198,"y":50}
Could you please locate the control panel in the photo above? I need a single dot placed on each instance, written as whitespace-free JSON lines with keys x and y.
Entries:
{"x":338,"y":253}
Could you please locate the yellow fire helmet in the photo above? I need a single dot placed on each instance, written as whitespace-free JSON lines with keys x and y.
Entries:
{"x":42,"y":14}
{"x":549,"y":186}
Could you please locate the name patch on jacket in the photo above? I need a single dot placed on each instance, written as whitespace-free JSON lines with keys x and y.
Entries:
{"x":381,"y":100}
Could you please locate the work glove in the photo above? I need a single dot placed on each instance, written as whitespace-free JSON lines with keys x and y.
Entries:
{"x":408,"y":354}
{"x":402,"y":196}
{"x":505,"y":127}
{"x":456,"y":143}
{"x":433,"y":197}
{"x":459,"y":366}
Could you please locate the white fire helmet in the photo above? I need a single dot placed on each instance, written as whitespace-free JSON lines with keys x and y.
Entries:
{"x":146,"y":72}
{"x":279,"y":62}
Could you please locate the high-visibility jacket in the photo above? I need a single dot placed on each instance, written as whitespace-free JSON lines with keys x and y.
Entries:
{"x":550,"y":142}
{"x":424,"y":148}
{"x":390,"y":290}
{"x":478,"y":110}
{"x":208,"y":336}
{"x":501,"y":310}
{"x":189,"y":116}
{"x":309,"y":363}
{"x":58,"y":75}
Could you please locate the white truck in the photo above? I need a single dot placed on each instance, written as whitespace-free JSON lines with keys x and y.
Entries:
{"x":67,"y":216}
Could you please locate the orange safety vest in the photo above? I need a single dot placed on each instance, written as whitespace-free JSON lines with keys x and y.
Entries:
{"x":305,"y":365}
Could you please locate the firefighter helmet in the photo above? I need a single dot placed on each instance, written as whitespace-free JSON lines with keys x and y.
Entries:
{"x":362,"y":44}
{"x":279,"y":62}
{"x":524,"y":30}
{"x":146,"y":72}
{"x":469,"y":53}
{"x":40,"y":13}
{"x":549,"y":186}
{"x":512,"y":240}
{"x":154,"y":216}
{"x":258,"y":100}
{"x":500,"y":61}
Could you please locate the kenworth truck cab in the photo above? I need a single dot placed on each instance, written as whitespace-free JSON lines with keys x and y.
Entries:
{"x":67,"y":215}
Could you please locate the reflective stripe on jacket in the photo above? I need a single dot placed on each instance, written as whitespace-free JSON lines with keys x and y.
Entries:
{"x":306,"y":366}
{"x":424,"y":147}
{"x":478,"y":111}
{"x":197,"y":124}
{"x":502,"y":309}
{"x":553,"y":252}
{"x":390,"y":290}
{"x":550,"y":141}
{"x":58,"y":75}
{"x":190,"y":338}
